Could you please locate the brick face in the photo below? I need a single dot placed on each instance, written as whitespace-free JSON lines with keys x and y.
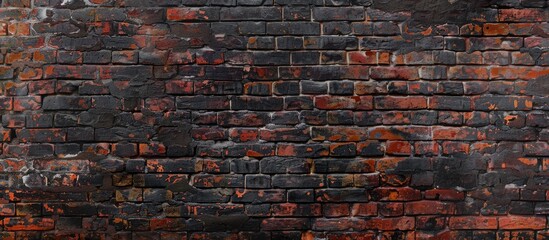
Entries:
{"x":274,"y":119}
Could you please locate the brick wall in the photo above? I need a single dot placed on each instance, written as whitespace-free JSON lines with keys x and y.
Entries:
{"x":274,"y":119}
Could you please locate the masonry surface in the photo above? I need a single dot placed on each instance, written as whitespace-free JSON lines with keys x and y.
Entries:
{"x":274,"y":119}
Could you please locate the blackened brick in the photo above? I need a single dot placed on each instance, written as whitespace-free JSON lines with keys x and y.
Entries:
{"x":66,"y":103}
{"x":251,"y":13}
{"x":339,"y":13}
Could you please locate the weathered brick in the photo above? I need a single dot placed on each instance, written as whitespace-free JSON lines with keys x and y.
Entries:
{"x":66,"y":103}
{"x":521,"y":222}
{"x":336,"y":102}
{"x":477,"y":222}
{"x":339,"y":134}
{"x":29,"y":224}
{"x":522,"y":15}
{"x":251,"y":13}
{"x":339,"y":13}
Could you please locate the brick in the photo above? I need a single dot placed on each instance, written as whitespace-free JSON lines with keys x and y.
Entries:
{"x":398,"y":148}
{"x":477,"y":222}
{"x":29,"y":224}
{"x":493,"y":29}
{"x":364,"y":209}
{"x":202,"y":102}
{"x":284,"y":135}
{"x":343,"y":149}
{"x":401,"y":133}
{"x":339,"y":13}
{"x":250,"y":119}
{"x":41,"y":135}
{"x":404,"y":73}
{"x":250,"y":13}
{"x":522,"y":15}
{"x":257,"y":103}
{"x":192,"y":14}
{"x":66,"y":103}
{"x":345,"y":166}
{"x":335,"y":102}
{"x":296,"y":210}
{"x":343,"y":134}
{"x":470,"y":58}
{"x":341,"y":195}
{"x":298,"y":181}
{"x":521,"y":222}
{"x":303,"y":150}
{"x":429,"y":208}
{"x":330,"y":42}
{"x":396,"y":194}
{"x":293,"y":28}
{"x":269,"y":195}
{"x":285,"y":224}
{"x":400,"y":102}
{"x":457,"y":133}
{"x":468,"y":72}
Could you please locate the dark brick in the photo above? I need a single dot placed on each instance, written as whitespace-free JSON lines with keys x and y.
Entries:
{"x":251,"y":13}
{"x":339,"y":13}
{"x":66,"y":103}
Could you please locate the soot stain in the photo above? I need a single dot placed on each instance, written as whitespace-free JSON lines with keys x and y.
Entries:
{"x":440,"y":11}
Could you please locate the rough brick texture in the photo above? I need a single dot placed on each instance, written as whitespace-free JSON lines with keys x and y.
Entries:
{"x":274,"y":119}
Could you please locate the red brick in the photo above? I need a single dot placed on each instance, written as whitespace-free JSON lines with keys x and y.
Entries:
{"x":410,"y":102}
{"x":351,"y":236}
{"x":339,"y":224}
{"x":457,"y":133}
{"x":401,"y":133}
{"x":166,"y":224}
{"x":495,"y":29}
{"x":468,"y":73}
{"x":398,"y":148}
{"x":523,"y":15}
{"x":285,"y":135}
{"x":30,"y":74}
{"x":391,"y":224}
{"x":29,"y":224}
{"x":152,"y":149}
{"x":26,"y":103}
{"x":522,"y":222}
{"x":364,"y":209}
{"x":511,"y":73}
{"x":426,"y":148}
{"x":396,"y":194}
{"x":340,"y":102}
{"x":336,"y":134}
{"x":444,"y":194}
{"x":366,"y":57}
{"x":296,"y":210}
{"x":473,"y":222}
{"x":454,"y":147}
{"x":160,"y":104}
{"x":335,"y":210}
{"x":209,"y":133}
{"x":285,"y":224}
{"x":244,"y":134}
{"x":429,"y":208}
{"x":192,"y":14}
{"x":470,"y":29}
{"x":391,"y":209}
{"x":430,"y":223}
